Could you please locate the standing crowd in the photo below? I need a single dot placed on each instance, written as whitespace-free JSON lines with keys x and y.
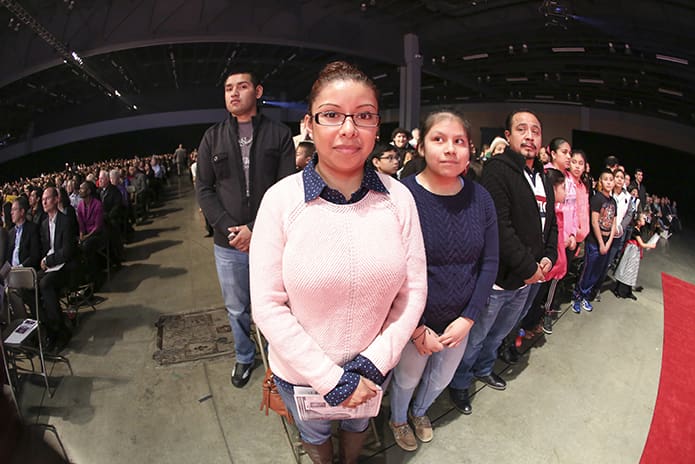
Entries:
{"x":406,"y":267}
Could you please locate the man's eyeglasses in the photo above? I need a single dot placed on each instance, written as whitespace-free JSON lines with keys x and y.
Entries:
{"x":390,"y":158}
{"x":334,"y":118}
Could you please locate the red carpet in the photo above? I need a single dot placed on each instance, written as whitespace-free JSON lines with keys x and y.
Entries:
{"x":672,"y":434}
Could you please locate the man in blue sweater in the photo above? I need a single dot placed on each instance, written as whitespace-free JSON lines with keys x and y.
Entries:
{"x":528,"y":249}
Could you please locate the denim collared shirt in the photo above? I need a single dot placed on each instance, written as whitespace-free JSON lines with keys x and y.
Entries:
{"x":315,"y":186}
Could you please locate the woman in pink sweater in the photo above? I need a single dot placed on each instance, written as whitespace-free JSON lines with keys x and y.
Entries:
{"x":337,"y":264}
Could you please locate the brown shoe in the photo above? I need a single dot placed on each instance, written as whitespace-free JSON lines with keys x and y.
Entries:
{"x":404,"y":436}
{"x":423,"y":427}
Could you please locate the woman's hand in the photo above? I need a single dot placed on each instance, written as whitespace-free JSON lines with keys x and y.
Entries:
{"x":365,"y":391}
{"x":426,"y":341}
{"x":571,"y":243}
{"x":456,"y":332}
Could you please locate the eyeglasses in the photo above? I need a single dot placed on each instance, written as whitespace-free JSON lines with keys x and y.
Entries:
{"x":390,"y":158}
{"x":334,"y":118}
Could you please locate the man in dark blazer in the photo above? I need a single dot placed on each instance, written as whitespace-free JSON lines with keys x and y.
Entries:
{"x":26,"y":252}
{"x":23,"y":248}
{"x":58,"y":245}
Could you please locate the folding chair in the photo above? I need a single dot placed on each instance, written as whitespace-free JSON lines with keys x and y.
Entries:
{"x":291,"y":432}
{"x":25,"y":278}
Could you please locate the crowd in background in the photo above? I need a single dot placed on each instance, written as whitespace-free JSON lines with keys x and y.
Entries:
{"x":71,"y":227}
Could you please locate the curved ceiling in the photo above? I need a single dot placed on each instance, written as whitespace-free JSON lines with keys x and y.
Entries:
{"x":70,"y":62}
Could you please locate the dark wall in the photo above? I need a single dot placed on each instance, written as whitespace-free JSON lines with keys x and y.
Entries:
{"x":667,"y":172}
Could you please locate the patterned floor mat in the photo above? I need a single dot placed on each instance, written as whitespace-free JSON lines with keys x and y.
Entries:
{"x":190,"y":336}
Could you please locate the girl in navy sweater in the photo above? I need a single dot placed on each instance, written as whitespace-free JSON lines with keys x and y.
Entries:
{"x":459,"y":226}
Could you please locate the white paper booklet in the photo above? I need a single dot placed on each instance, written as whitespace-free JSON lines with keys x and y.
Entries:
{"x":312,"y":406}
{"x":22,"y":331}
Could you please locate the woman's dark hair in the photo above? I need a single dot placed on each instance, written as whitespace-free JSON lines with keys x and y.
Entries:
{"x":92,"y":188}
{"x":554,"y":145}
{"x":437,"y":115}
{"x":339,"y":71}
{"x":554,"y":176}
{"x":580,"y":153}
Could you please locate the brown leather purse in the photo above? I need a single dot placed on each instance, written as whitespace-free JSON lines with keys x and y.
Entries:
{"x":272,"y":399}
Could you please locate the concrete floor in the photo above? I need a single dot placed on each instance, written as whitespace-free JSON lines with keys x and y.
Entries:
{"x":584,"y":394}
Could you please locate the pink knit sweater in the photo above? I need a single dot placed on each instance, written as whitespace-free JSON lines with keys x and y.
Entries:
{"x":329,"y":282}
{"x":583,"y":219}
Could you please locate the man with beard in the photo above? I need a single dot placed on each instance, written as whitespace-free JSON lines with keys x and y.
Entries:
{"x":528,"y":248}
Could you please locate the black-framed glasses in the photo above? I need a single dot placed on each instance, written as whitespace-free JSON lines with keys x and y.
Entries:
{"x":390,"y":157}
{"x":334,"y":118}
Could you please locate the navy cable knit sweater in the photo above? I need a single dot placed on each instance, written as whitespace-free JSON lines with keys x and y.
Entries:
{"x":461,"y":243}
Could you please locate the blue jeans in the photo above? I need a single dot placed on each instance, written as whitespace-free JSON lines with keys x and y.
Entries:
{"x":433,"y":373}
{"x":530,"y":298}
{"x":594,"y":268}
{"x":233,"y":274}
{"x":494,"y":322}
{"x":316,"y":432}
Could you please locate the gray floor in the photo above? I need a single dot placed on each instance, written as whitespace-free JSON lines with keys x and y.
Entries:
{"x":582,"y":395}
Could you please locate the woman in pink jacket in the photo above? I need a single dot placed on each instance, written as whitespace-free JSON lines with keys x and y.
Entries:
{"x":337,"y":265}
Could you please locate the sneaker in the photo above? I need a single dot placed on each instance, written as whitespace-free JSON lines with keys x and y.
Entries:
{"x":548,"y":324}
{"x":241,"y":374}
{"x":423,"y":427}
{"x":577,"y":306}
{"x":404,"y":436}
{"x":586,"y":306}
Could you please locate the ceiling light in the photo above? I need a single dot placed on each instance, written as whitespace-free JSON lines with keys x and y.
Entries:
{"x":628,"y":50}
{"x":478,"y":56}
{"x":605,"y":102}
{"x":379,"y":76}
{"x":516,"y":79}
{"x":568,"y":49}
{"x":671,"y":59}
{"x":668,"y":113}
{"x":675,"y":93}
{"x":524,"y":48}
{"x":591,"y":81}
{"x":118,"y":94}
{"x":511,"y":49}
{"x":611,"y":48}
